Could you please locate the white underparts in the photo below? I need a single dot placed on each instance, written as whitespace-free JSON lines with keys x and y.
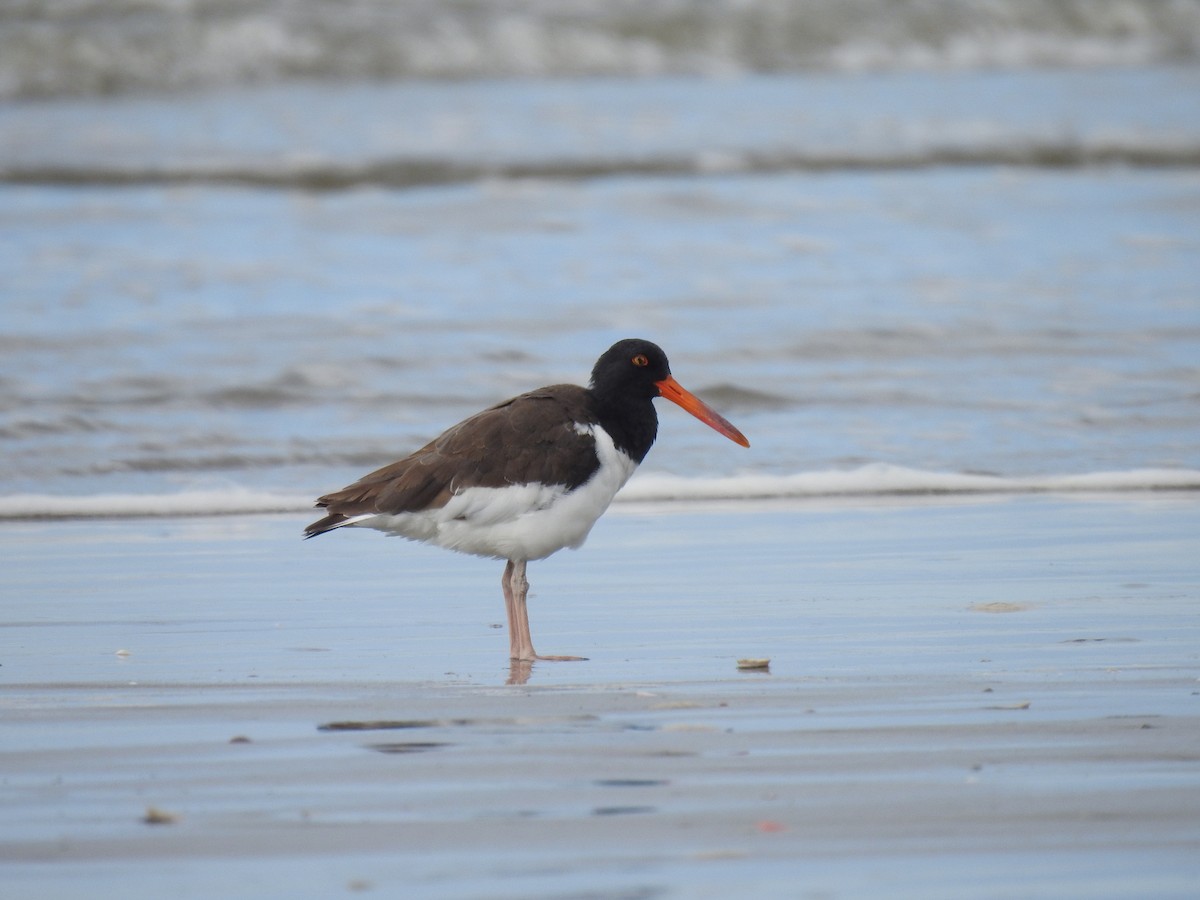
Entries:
{"x":519,"y":521}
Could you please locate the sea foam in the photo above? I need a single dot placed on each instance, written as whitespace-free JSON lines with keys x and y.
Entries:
{"x":881,"y":479}
{"x":875,"y":480}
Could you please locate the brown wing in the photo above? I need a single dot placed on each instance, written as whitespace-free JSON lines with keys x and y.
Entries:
{"x":531,"y":438}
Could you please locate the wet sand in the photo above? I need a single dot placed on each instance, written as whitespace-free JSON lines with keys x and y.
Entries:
{"x":991,"y":697}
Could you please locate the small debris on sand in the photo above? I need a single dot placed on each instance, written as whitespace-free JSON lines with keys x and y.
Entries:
{"x":156,"y":816}
{"x":754,"y":663}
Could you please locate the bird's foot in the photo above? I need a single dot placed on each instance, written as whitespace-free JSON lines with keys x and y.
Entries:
{"x":537,"y":656}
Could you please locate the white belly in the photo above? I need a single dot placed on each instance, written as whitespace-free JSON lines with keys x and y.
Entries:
{"x":521,"y":521}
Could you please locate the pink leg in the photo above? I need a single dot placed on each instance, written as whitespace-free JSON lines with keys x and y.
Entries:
{"x":510,"y":609}
{"x":516,"y":588}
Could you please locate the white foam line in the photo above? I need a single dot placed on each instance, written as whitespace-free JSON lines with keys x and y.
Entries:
{"x":884,"y":479}
{"x":119,"y":506}
{"x":872,"y":480}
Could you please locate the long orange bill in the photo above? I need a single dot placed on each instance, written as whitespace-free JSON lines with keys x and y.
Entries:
{"x":676,"y":393}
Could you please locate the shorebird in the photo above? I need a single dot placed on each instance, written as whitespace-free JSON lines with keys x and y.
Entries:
{"x":526,"y":477}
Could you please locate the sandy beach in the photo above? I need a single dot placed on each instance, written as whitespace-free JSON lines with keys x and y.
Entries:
{"x":936,"y":260}
{"x":985,"y":697}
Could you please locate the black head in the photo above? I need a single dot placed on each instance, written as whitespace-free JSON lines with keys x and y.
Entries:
{"x":633,"y":372}
{"x":630,"y":368}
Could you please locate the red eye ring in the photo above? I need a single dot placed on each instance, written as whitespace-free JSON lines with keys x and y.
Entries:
{"x":640,"y":360}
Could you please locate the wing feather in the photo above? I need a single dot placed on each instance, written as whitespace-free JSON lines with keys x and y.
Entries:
{"x":532,"y":438}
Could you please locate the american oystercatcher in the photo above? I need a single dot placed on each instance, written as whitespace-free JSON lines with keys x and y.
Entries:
{"x":527,"y":477}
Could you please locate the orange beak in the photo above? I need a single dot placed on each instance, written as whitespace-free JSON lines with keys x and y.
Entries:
{"x":675,"y":392}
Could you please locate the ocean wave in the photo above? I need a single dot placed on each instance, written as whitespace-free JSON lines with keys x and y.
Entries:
{"x":206,"y":502}
{"x":876,"y":480}
{"x":1134,"y":151}
{"x":881,"y":480}
{"x":101,"y":47}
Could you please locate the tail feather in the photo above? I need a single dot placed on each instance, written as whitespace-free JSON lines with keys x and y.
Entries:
{"x":329,"y":523}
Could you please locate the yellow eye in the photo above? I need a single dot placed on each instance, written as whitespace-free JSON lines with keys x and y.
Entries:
{"x":640,"y":360}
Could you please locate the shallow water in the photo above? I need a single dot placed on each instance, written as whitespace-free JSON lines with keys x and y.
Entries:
{"x":1013,"y":322}
{"x":960,"y":692}
{"x":822,"y":587}
{"x":264,"y":251}
{"x":272,"y":289}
